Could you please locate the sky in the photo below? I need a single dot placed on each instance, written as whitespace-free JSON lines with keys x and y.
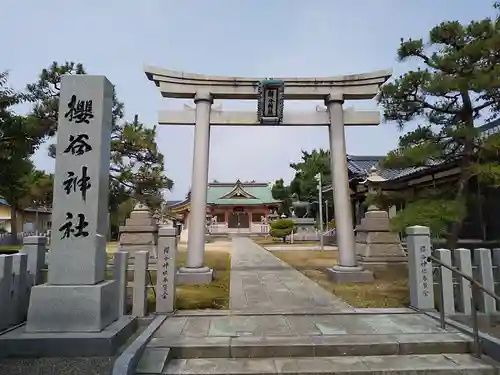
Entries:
{"x":259,"y":38}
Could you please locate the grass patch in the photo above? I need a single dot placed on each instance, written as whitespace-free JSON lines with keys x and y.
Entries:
{"x":389,"y":289}
{"x":191,"y":297}
{"x":211,"y":296}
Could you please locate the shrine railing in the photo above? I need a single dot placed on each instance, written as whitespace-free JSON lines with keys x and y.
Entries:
{"x":459,"y":283}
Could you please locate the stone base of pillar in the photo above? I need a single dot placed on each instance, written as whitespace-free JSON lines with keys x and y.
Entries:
{"x":19,"y":343}
{"x":382,"y":262}
{"x":346,"y":275}
{"x":72,"y":308}
{"x":194,"y":276}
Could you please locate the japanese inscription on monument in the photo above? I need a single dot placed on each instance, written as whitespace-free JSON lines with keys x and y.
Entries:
{"x":82,"y":177}
{"x":270,"y":101}
{"x":165,"y":281}
{"x":164,"y":273}
{"x":423,"y":270}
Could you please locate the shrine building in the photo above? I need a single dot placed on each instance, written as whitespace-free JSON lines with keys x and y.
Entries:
{"x":232,"y":206}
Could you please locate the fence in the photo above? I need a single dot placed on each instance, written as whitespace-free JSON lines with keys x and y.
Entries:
{"x":18,"y":273}
{"x":142,"y":284}
{"x":425,"y":277}
{"x":6,"y":238}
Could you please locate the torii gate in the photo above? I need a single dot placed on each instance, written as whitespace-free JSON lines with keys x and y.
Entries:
{"x":270,"y":94}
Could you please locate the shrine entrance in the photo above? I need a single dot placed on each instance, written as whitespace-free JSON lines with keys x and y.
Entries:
{"x":238,"y":219}
{"x":270,"y":95}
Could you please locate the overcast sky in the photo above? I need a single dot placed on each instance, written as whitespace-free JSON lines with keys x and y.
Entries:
{"x":259,"y":38}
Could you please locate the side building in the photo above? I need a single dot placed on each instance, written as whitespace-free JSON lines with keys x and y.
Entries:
{"x":232,"y":207}
{"x":483,"y":202}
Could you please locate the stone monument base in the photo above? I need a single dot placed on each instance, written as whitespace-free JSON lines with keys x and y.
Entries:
{"x":346,"y":275}
{"x":382,"y":262}
{"x":72,"y":308}
{"x":19,"y":343}
{"x":194,"y":276}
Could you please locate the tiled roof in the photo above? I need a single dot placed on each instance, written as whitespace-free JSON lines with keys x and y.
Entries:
{"x":254,"y":193}
{"x":360,"y":165}
{"x":258,"y":193}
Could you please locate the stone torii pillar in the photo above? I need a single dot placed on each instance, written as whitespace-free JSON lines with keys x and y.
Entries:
{"x":195,"y":272}
{"x":347,"y":270}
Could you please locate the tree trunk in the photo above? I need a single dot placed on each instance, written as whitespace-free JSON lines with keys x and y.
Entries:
{"x":13,"y":224}
{"x":456,"y":227}
{"x":467,"y":117}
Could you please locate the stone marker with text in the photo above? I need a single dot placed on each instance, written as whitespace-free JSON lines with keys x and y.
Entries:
{"x":77,"y":298}
{"x":420,"y":270}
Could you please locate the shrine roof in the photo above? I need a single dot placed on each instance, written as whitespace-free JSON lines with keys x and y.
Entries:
{"x":233,"y":193}
{"x":240,"y":193}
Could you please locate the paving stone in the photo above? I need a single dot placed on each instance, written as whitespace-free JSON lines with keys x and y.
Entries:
{"x":194,"y":347}
{"x":198,"y":327}
{"x":354,"y":345}
{"x":302,"y":325}
{"x":266,"y":347}
{"x":173,"y":326}
{"x":369,"y":365}
{"x":332,"y":365}
{"x":153,"y":361}
{"x":355,"y":324}
{"x":410,"y":362}
{"x":434,"y":343}
{"x":283,"y":288}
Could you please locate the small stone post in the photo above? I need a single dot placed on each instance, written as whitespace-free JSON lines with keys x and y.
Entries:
{"x":34,"y":248}
{"x":5,"y":290}
{"x":166,"y":271}
{"x":20,"y":288}
{"x":446,"y":275}
{"x":463,"y":262}
{"x":140,"y":293}
{"x":420,"y":271}
{"x":483,"y":260}
{"x":120,"y":265}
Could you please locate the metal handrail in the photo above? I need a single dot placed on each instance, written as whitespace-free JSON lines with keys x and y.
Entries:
{"x":475,"y":287}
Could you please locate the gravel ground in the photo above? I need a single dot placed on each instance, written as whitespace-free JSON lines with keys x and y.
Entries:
{"x":57,"y":366}
{"x":65,"y":366}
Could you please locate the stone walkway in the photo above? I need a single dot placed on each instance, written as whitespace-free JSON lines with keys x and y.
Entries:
{"x":281,"y":322}
{"x":262,"y":283}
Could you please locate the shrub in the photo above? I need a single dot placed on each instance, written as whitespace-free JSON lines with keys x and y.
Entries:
{"x":281,"y":228}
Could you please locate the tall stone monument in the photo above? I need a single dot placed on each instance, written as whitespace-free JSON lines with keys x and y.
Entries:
{"x":376,"y":244}
{"x":77,"y":298}
{"x":140,"y":232}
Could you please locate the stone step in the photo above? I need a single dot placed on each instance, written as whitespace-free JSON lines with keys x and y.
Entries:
{"x":311,"y":346}
{"x":442,"y":364}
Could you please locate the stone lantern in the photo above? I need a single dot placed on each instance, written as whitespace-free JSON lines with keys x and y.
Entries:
{"x":374,"y":182}
{"x":376,"y":245}
{"x":140,"y":232}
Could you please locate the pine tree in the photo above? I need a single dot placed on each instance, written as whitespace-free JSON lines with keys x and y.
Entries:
{"x":136,"y":163}
{"x":456,"y":88}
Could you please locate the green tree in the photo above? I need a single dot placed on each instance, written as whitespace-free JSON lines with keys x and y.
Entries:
{"x":19,"y":139}
{"x":281,"y":192}
{"x":136,"y":163}
{"x":304,"y":183}
{"x":456,"y":86}
{"x":281,"y":228}
{"x":42,"y":189}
